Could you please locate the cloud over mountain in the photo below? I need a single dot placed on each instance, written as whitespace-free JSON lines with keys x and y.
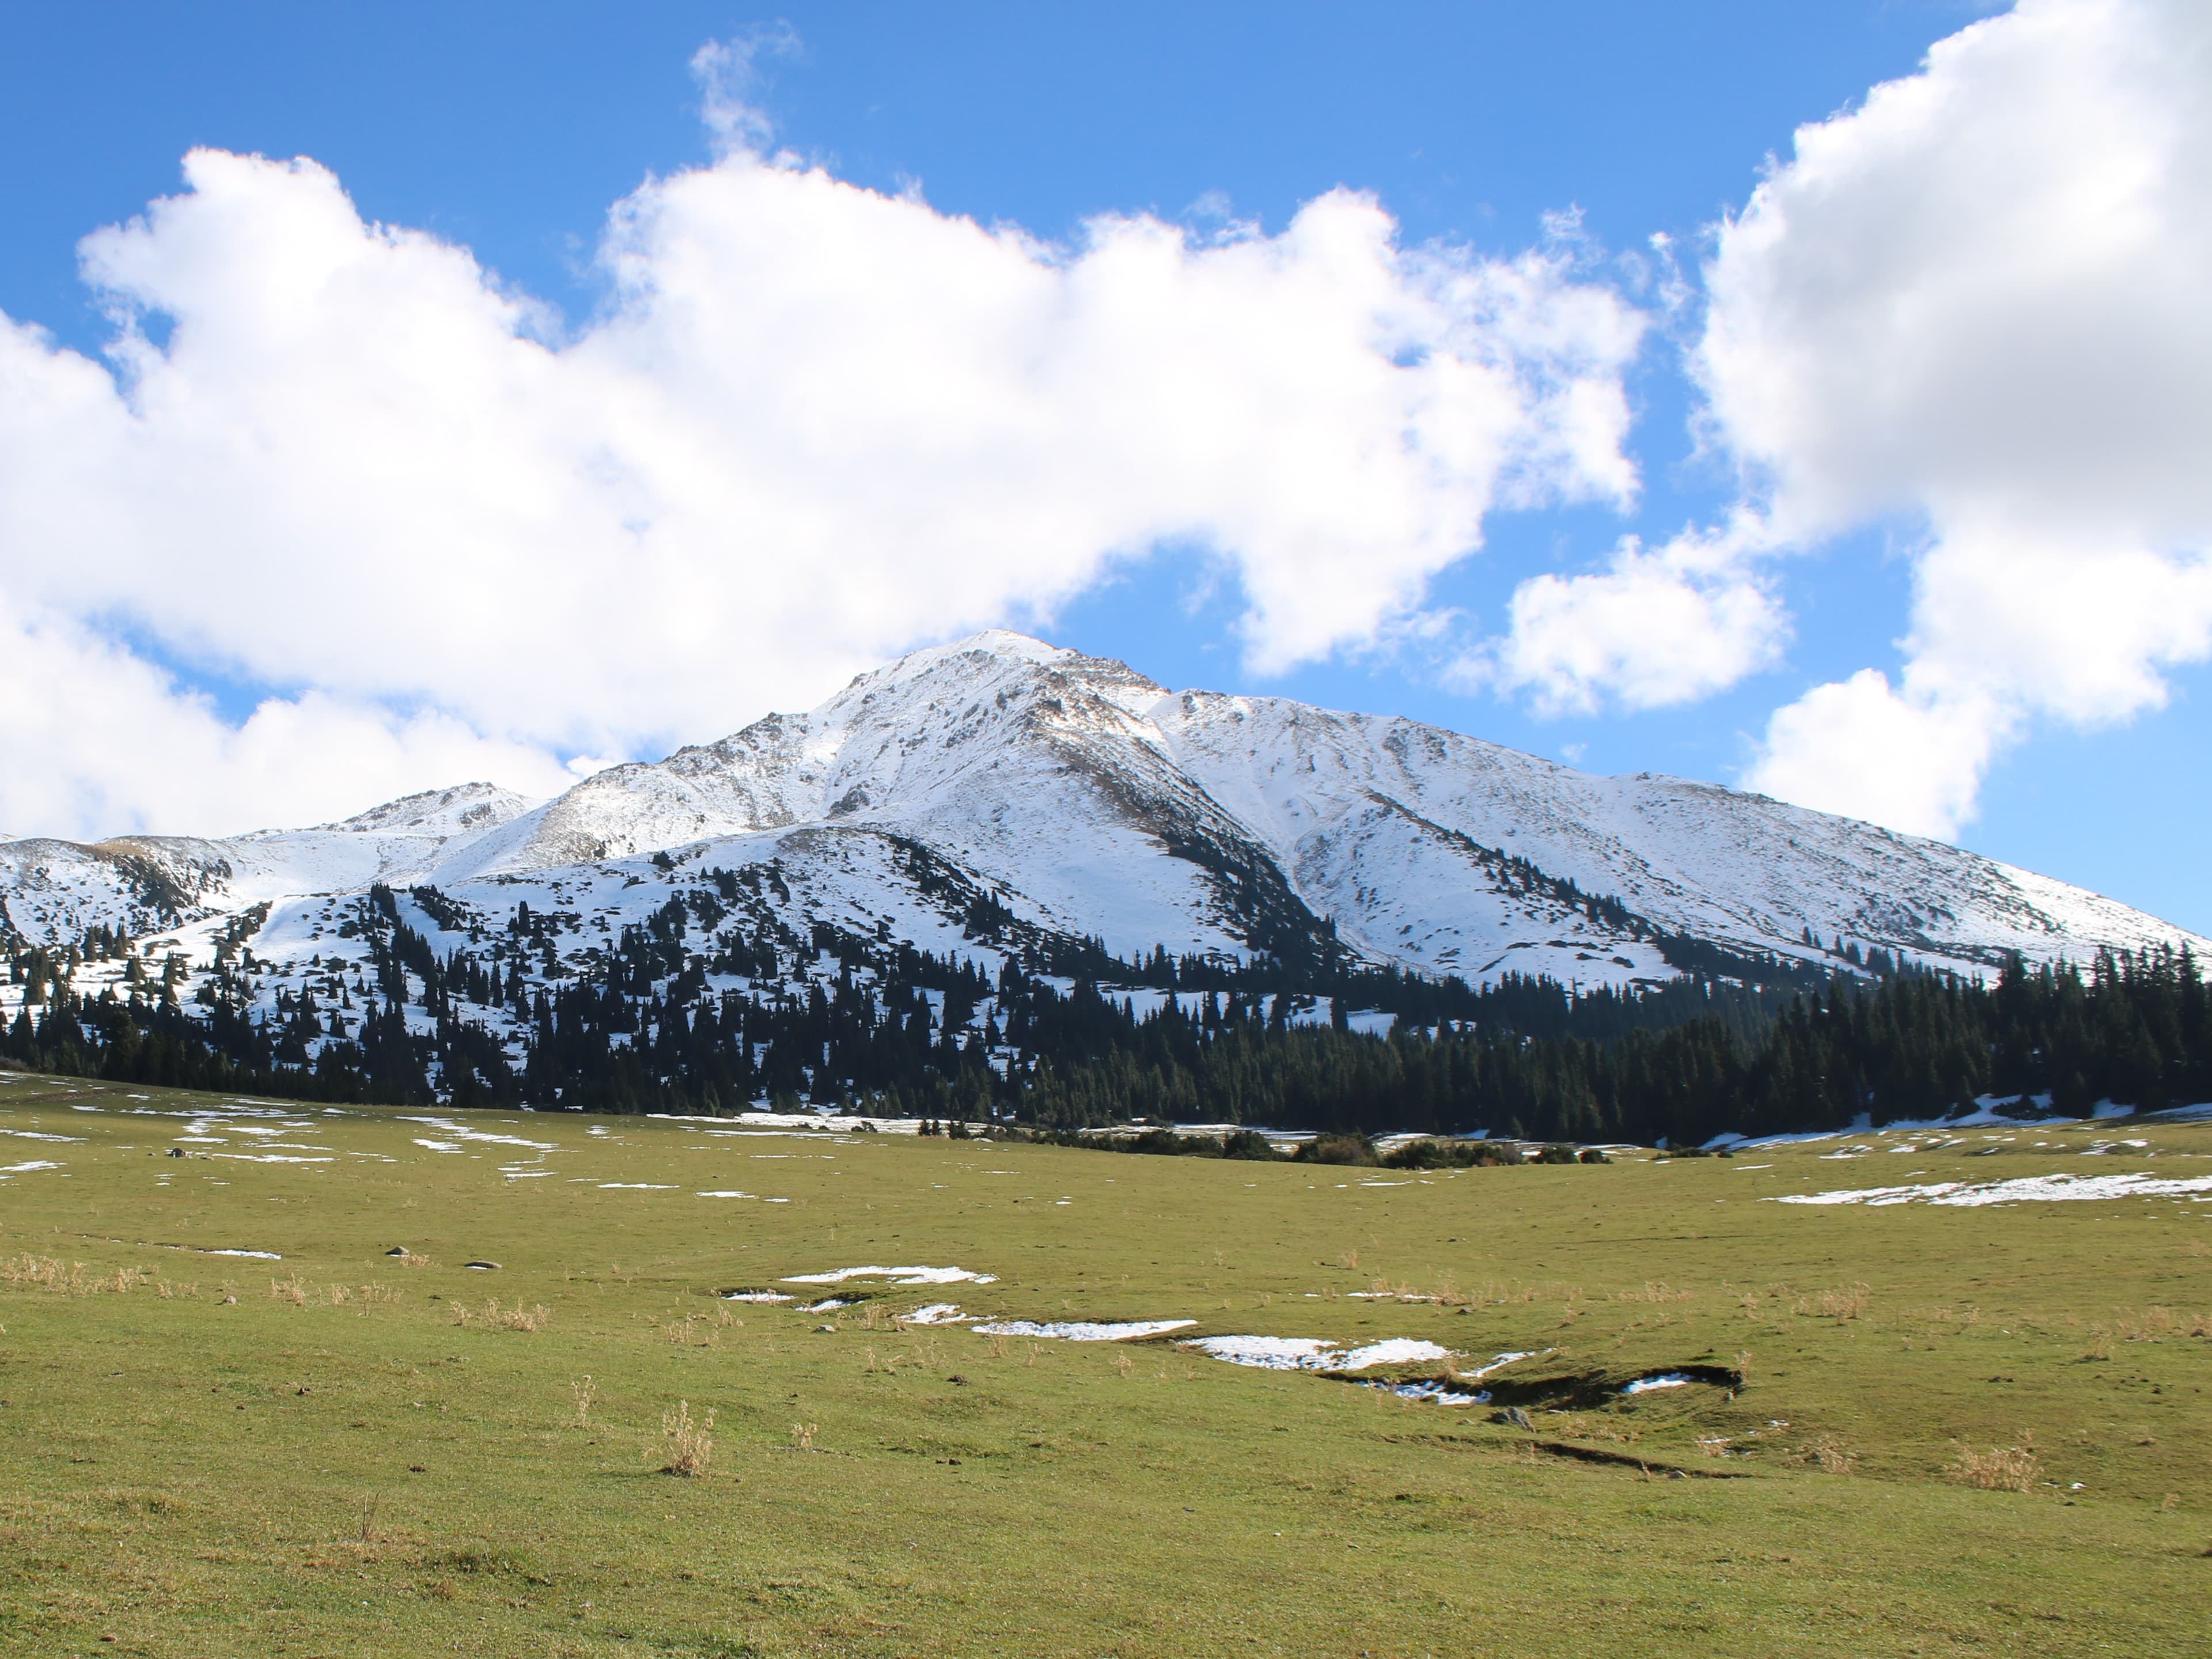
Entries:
{"x":1977,"y":303}
{"x":1969,"y":310}
{"x":811,"y":424}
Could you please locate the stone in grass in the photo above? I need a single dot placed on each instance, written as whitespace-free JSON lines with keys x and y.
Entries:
{"x":483,"y":1266}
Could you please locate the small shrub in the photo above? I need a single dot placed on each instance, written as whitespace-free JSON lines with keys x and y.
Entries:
{"x":1416,"y":1155}
{"x":1558,"y":1155}
{"x":690,"y":1445}
{"x":2001,"y":1468}
{"x":1451,"y":1155}
{"x":1354,"y":1149}
{"x":1255,"y":1148}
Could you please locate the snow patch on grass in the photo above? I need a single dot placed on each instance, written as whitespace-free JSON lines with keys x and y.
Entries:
{"x":1500,"y":1362}
{"x":1275,"y":1353}
{"x":1397,"y":1351}
{"x":1434,"y":1393}
{"x":2024,"y":1189}
{"x":903,"y":1276}
{"x":1312,"y":1353}
{"x":1084,"y":1330}
{"x":937,"y":1313}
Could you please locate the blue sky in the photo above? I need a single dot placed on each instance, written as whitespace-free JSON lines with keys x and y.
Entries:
{"x":511,"y":131}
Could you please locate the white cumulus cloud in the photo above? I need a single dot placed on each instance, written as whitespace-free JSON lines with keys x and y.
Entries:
{"x":1656,"y":627}
{"x":811,"y":425}
{"x":1977,"y":303}
{"x":92,"y":732}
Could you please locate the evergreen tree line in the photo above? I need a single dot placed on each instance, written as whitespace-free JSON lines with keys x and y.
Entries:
{"x":868,"y":1024}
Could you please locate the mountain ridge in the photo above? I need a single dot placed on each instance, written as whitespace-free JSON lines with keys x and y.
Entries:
{"x":1091,"y":801}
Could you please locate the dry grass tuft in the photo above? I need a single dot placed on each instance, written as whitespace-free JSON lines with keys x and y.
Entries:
{"x":293,"y":1290}
{"x":2154,"y":1324}
{"x":584,"y":1391}
{"x":494,"y":1317}
{"x":1844,"y":1302}
{"x":2001,"y":1468}
{"x":46,"y":1272}
{"x":1830,"y":1455}
{"x":1655,"y":1290}
{"x":690,"y":1445}
{"x":370,"y":1532}
{"x":802,"y":1435}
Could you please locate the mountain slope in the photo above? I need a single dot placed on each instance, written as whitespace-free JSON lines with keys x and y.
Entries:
{"x":1086,"y":800}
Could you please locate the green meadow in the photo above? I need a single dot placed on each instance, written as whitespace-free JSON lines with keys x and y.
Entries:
{"x":1907,"y":1429}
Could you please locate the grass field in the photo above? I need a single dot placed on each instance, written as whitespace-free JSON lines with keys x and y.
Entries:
{"x":366,"y":1454}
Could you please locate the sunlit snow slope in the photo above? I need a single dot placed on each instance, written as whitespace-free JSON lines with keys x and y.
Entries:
{"x":1001,"y":782}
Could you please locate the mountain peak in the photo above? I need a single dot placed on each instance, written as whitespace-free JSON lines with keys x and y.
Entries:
{"x":451,"y":811}
{"x":999,"y":786}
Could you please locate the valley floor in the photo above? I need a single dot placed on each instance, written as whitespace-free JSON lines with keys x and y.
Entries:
{"x":234,"y":1422}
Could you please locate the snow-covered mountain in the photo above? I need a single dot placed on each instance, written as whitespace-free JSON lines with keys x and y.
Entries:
{"x":1000,"y":788}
